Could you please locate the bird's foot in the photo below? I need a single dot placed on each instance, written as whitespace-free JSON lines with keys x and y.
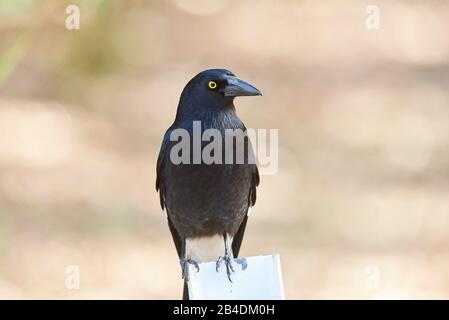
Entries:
{"x":185,"y":267}
{"x":228,"y":263}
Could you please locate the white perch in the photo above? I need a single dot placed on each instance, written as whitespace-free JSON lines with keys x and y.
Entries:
{"x":254,"y":278}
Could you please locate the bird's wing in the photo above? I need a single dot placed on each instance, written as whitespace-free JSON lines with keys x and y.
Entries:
{"x":175,"y":236}
{"x":238,"y":237}
{"x":160,"y":186}
{"x":162,"y":158}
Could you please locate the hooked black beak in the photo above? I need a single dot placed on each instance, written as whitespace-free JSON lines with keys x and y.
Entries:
{"x":237,"y":87}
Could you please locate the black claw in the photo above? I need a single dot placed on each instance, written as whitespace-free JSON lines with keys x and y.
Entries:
{"x":197,"y":267}
{"x":229,"y":268}
{"x":184,"y":266}
{"x":228,"y":263}
{"x":229,"y":277}
{"x":217,"y":264}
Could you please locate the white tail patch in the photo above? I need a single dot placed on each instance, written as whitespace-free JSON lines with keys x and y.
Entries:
{"x":206,"y":249}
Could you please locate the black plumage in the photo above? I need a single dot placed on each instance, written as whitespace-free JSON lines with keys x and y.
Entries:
{"x":204,"y":200}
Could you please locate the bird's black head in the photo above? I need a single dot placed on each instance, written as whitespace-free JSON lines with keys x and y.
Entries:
{"x":213,"y":90}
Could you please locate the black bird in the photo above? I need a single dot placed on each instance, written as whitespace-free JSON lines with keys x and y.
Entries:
{"x":207,"y":204}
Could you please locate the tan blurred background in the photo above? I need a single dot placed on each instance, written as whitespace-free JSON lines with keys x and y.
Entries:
{"x":358,"y":209}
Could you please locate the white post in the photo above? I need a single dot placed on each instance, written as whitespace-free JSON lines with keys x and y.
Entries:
{"x":253,"y":278}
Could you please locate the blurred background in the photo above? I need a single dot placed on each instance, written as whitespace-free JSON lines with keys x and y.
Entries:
{"x":359,"y":207}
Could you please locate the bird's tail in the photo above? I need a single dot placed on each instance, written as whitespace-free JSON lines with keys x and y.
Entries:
{"x":185,"y":292}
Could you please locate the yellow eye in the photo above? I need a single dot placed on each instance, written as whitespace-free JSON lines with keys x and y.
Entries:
{"x":212,"y":85}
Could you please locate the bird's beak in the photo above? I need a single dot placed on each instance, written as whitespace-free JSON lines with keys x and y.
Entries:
{"x":237,"y":87}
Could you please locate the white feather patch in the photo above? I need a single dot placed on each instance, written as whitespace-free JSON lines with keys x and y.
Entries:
{"x":205,"y":249}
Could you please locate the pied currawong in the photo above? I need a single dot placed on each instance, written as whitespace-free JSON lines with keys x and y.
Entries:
{"x":207,"y":204}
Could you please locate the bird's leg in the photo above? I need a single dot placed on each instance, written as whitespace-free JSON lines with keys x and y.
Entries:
{"x":227,"y":258}
{"x":184,"y":261}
